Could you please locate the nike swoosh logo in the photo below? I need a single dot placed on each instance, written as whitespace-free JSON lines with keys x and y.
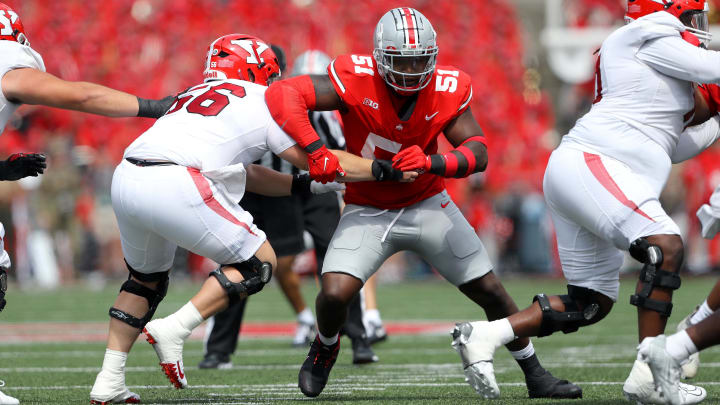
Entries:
{"x":444,"y":205}
{"x":429,"y":117}
{"x":325,"y":164}
{"x":180,"y":373}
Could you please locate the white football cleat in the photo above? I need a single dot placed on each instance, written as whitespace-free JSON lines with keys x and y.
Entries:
{"x":167,"y":337}
{"x":640,"y":387}
{"x":111,"y":389}
{"x":476,"y":345}
{"x":304,"y":334}
{"x":7,"y":399}
{"x":692,"y":364}
{"x":665,"y":369}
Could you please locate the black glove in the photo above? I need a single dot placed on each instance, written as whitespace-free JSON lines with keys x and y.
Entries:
{"x":22,"y":165}
{"x":154,"y":108}
{"x":383,"y":171}
{"x":3,"y":287}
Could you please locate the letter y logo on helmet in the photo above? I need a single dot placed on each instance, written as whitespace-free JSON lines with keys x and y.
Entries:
{"x":11,"y":28}
{"x":243,"y":57}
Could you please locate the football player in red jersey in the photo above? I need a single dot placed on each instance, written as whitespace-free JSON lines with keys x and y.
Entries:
{"x":394,"y":104}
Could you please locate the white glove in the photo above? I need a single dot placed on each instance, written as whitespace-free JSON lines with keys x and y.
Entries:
{"x":319,"y":188}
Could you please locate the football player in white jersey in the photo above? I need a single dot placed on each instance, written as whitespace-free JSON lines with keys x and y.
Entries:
{"x":179,"y":185}
{"x":23,"y":80}
{"x":602,"y":186}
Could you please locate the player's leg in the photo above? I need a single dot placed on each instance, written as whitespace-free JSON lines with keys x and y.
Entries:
{"x":371,"y":315}
{"x":460,"y":257}
{"x":708,"y":307}
{"x":221,"y":336}
{"x":282,"y":220}
{"x":321,"y":214}
{"x":148,"y":258}
{"x":665,"y":355}
{"x":355,"y":253}
{"x":4,"y":264}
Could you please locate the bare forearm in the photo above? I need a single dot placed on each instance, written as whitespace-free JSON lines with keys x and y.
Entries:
{"x":355,"y":167}
{"x":31,"y":86}
{"x":267,"y":182}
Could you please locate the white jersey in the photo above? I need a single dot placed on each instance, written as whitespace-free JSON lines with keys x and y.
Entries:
{"x":213,"y":125}
{"x":13,"y":55}
{"x":644,"y":95}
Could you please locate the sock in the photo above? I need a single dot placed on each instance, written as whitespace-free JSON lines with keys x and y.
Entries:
{"x":523,"y":354}
{"x":531,"y":366}
{"x":328,"y":341}
{"x":680,"y":346}
{"x":703,"y":312}
{"x":114,"y":361}
{"x":306,"y":316}
{"x":188,"y":316}
{"x":373,"y":316}
{"x":501,"y":327}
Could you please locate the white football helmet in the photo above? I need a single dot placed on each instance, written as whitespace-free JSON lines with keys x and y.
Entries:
{"x":311,"y":62}
{"x":405,"y":49}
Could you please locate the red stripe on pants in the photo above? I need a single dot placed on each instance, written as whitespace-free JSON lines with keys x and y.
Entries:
{"x":594,"y":163}
{"x":206,"y":193}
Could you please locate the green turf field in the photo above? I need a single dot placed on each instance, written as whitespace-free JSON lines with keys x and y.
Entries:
{"x":412,"y":369}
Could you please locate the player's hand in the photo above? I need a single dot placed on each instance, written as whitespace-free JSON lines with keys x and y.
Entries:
{"x":154,"y":108}
{"x":22,"y":165}
{"x":320,"y":188}
{"x":412,"y":159}
{"x":324,"y":166}
{"x":409,"y":177}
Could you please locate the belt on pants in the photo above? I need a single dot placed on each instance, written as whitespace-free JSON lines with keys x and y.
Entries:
{"x":144,"y":163}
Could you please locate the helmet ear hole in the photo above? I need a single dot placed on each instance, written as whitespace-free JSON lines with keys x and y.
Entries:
{"x":251,"y":76}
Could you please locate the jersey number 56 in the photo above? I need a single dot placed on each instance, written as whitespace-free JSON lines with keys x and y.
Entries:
{"x":208,"y":103}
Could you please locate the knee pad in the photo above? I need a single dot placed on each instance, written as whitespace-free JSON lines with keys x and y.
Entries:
{"x":580,"y":310}
{"x":255,"y":274}
{"x":153,"y":297}
{"x":651,"y":276}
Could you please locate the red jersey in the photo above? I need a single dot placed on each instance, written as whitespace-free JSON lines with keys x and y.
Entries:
{"x":373,"y":129}
{"x":711,"y":94}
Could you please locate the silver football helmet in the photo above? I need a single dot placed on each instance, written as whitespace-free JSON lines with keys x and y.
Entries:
{"x":405,"y":49}
{"x":311,"y":62}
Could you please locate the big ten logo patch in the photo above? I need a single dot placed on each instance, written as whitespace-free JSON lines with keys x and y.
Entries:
{"x":370,"y":103}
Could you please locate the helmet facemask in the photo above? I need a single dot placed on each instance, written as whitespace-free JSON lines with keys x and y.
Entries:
{"x":696,"y":22}
{"x":406,"y":70}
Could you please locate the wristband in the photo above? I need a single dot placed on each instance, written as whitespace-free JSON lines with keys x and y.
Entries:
{"x":301,"y":185}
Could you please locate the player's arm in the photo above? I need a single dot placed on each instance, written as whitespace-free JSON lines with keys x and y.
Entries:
{"x":355,"y":167}
{"x":703,"y":109}
{"x":288,"y":102}
{"x":32,"y":86}
{"x":469,"y":156}
{"x":264,"y":181}
{"x":676,"y":57}
{"x":696,"y":139}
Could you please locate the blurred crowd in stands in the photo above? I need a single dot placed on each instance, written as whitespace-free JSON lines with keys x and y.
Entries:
{"x":154,"y":48}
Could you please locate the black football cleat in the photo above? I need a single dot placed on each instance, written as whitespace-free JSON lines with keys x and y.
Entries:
{"x":315,"y":370}
{"x":215,"y":360}
{"x":362,"y":353}
{"x":546,"y":385}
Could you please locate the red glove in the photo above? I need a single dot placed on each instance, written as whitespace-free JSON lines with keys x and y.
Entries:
{"x":411,"y":159}
{"x":324,"y":165}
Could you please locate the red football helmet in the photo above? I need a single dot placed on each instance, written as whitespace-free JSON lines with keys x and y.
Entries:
{"x":692,"y":13}
{"x":11,"y":28}
{"x":244,"y":57}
